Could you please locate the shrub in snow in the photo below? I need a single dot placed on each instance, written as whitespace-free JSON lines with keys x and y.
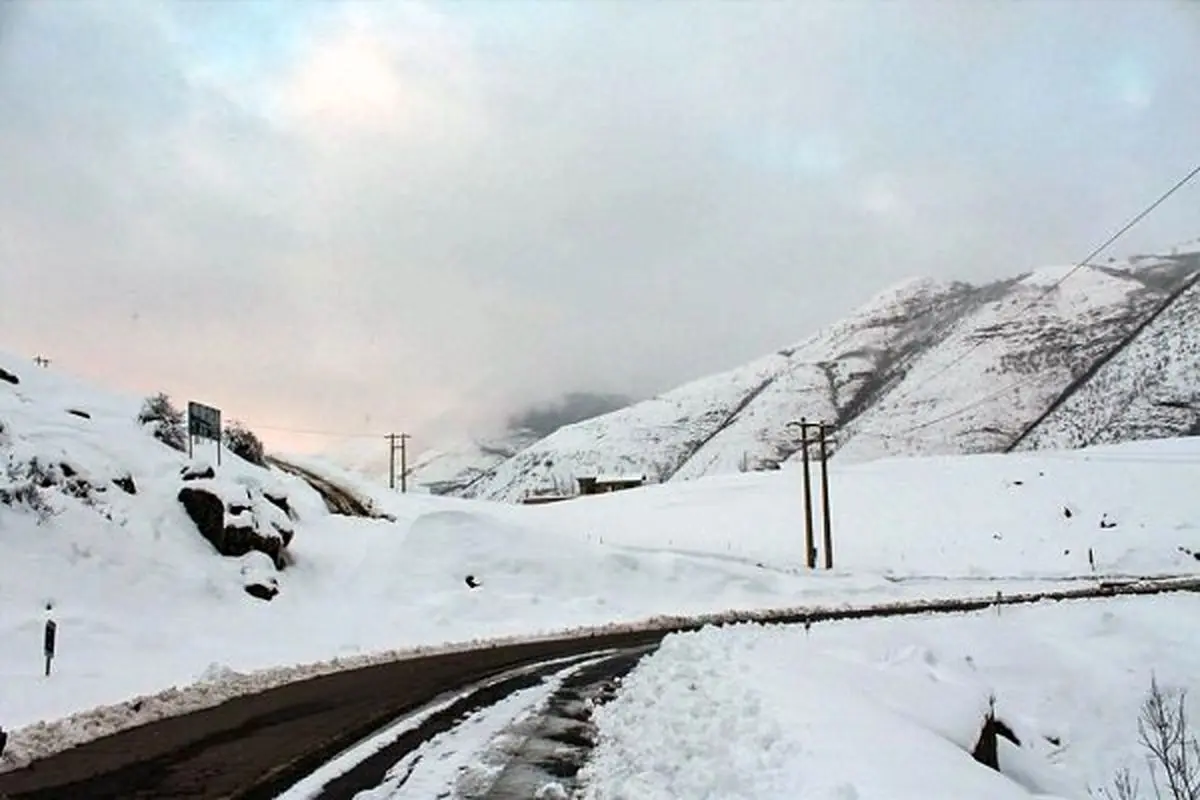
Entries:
{"x":1172,"y":750}
{"x":23,"y":485}
{"x":242,"y":442}
{"x":165,"y":421}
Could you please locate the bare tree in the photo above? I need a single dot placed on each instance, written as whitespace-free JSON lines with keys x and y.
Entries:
{"x":1172,"y":750}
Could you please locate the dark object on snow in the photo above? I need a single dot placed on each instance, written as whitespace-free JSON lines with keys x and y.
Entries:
{"x":8,"y":377}
{"x":262,"y":591}
{"x":1092,"y":559}
{"x":1067,"y":512}
{"x":472,"y":582}
{"x":986,"y":750}
{"x":48,"y":642}
{"x":125,"y":483}
{"x":1107,"y":523}
{"x":237,"y":539}
{"x":281,"y":503}
{"x":79,"y":413}
{"x":1018,"y":483}
{"x":195,"y":473}
{"x":3,"y":740}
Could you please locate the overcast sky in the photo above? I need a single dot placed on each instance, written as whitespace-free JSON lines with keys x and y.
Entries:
{"x":387,"y":216}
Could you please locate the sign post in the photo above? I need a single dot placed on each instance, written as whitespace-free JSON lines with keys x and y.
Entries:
{"x":204,"y":422}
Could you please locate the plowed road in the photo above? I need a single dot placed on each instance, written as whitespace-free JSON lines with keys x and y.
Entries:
{"x":258,"y":745}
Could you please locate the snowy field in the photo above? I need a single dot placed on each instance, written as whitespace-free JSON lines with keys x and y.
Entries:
{"x":891,"y":709}
{"x":143,"y":603}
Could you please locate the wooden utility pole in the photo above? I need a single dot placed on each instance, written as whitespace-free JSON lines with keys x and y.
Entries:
{"x":810,"y":552}
{"x":827,"y":525}
{"x":398,"y":441}
{"x":404,"y":437}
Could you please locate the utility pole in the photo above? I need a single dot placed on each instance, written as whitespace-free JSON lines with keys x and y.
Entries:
{"x":810,"y":552}
{"x":398,"y":441}
{"x":827,"y":525}
{"x":821,"y":441}
{"x":404,"y":437}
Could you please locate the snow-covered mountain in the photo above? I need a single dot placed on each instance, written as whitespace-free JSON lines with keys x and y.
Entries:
{"x":452,"y":466}
{"x":924,"y":368}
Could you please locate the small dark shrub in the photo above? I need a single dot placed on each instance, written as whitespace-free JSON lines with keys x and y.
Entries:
{"x":165,"y":421}
{"x":243,"y":442}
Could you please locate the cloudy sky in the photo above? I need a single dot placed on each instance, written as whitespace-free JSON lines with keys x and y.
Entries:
{"x":357,"y":218}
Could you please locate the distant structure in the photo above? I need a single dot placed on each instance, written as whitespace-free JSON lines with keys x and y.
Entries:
{"x":598,"y":484}
{"x":606,"y":484}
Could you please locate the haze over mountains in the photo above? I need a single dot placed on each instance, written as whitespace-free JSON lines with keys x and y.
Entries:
{"x":1056,"y":357}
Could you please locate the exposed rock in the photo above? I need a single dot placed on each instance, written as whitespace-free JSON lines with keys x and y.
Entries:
{"x":233,"y":532}
{"x":77,"y":412}
{"x":987,"y":749}
{"x":198,"y":472}
{"x":8,"y":377}
{"x":258,"y":576}
{"x":126,"y":484}
{"x":263,"y":590}
{"x":472,"y":582}
{"x":280,"y":502}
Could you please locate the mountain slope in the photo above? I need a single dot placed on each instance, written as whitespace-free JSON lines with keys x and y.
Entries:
{"x":1148,"y":390}
{"x":924,"y":368}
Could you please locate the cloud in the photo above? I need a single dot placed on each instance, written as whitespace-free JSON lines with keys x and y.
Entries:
{"x":429,"y":216}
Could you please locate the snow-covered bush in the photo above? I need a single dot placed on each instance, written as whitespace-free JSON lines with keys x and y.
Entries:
{"x":165,"y":421}
{"x":243,"y":442}
{"x":22,"y":484}
{"x":1172,"y":750}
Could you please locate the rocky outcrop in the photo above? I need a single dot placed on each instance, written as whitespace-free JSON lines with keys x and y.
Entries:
{"x":238,"y":519}
{"x":8,"y":377}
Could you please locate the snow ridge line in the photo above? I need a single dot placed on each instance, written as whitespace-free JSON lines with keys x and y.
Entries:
{"x":1095,"y":367}
{"x":42,"y":739}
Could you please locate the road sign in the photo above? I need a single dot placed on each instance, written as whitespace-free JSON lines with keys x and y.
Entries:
{"x":204,"y":421}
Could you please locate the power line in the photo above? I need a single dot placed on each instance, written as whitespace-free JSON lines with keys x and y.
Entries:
{"x":1041,"y":296}
{"x":327,"y":434}
{"x":1056,"y":284}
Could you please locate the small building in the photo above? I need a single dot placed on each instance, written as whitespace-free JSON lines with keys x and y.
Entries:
{"x":609,"y":483}
{"x":543,"y":499}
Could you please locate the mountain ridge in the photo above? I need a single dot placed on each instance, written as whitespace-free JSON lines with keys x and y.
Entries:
{"x":886,"y":375}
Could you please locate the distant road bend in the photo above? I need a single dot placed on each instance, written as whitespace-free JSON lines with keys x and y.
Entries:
{"x":338,"y":499}
{"x":259,"y":746}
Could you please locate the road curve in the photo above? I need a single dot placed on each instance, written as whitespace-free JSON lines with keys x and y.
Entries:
{"x":258,"y":745}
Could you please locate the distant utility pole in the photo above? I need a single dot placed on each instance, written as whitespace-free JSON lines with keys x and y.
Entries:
{"x":821,"y":441}
{"x":41,"y":361}
{"x":398,"y":442}
{"x":822,"y":431}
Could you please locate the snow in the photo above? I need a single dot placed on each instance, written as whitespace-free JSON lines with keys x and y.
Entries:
{"x":924,"y":368}
{"x":153,"y":622}
{"x":849,"y":710}
{"x":1134,"y":391}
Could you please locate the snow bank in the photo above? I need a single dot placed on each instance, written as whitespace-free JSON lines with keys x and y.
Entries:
{"x":891,"y":709}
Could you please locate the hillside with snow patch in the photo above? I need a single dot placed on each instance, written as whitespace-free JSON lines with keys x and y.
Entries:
{"x":925,"y":368}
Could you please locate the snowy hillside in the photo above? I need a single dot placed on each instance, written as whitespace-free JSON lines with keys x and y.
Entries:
{"x":922,"y":369}
{"x":1149,"y":390}
{"x":144,"y":601}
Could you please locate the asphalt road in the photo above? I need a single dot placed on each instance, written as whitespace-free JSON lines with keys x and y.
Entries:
{"x":258,"y":745}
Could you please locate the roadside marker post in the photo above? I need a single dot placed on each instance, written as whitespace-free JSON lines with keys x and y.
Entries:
{"x":48,"y":641}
